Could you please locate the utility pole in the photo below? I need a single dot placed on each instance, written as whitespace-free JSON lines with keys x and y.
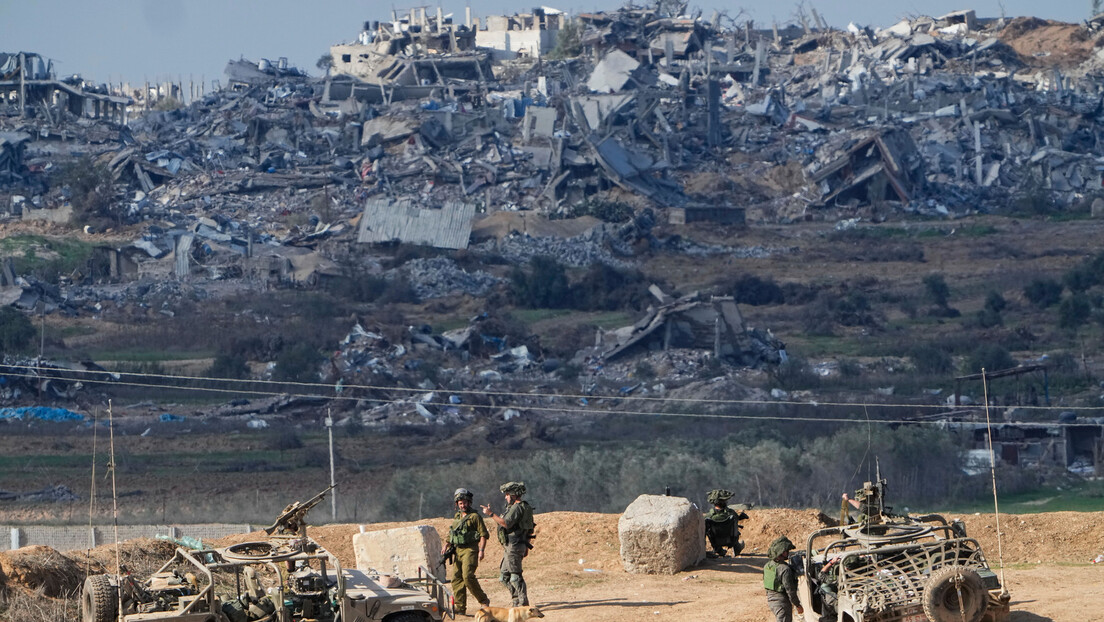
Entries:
{"x":333,"y":496}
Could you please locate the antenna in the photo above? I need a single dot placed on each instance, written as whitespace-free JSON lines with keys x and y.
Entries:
{"x":114,"y":498}
{"x":993,"y":476}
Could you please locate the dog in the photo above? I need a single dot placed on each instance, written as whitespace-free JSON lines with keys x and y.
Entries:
{"x":507,"y":614}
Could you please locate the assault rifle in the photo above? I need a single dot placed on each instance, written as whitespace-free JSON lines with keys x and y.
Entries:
{"x":291,"y":519}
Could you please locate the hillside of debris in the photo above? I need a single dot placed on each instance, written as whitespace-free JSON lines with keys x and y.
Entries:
{"x":648,"y":227}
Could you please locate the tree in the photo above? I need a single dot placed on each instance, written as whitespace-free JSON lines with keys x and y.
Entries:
{"x":937,"y":289}
{"x":1073,"y":311}
{"x":91,"y":190}
{"x":1043,"y":292}
{"x":990,"y":357}
{"x":325,"y":63}
{"x":297,"y":363}
{"x":543,"y":287}
{"x":16,"y":331}
{"x":569,"y":41}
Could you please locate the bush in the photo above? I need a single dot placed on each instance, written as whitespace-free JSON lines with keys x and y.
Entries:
{"x":995,"y":302}
{"x":568,"y":41}
{"x":990,"y":357}
{"x":297,"y":363}
{"x":930,"y":360}
{"x":229,"y":366}
{"x":91,"y":191}
{"x":607,"y":211}
{"x":1074,"y":311}
{"x":794,"y":375}
{"x":544,"y":286}
{"x":752,"y":290}
{"x":1043,"y":293}
{"x":604,"y":288}
{"x":16,"y":331}
{"x":938,"y":291}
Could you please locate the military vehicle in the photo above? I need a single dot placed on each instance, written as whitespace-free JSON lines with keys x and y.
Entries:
{"x":285,"y":578}
{"x":897,"y":568}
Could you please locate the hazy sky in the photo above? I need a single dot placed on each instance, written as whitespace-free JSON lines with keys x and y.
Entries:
{"x":135,"y":40}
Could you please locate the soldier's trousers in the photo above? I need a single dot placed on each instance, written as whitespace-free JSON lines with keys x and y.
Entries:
{"x":780,"y":606}
{"x":463,"y":578}
{"x":511,"y":575}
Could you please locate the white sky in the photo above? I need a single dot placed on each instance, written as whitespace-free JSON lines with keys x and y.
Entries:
{"x":136,"y":40}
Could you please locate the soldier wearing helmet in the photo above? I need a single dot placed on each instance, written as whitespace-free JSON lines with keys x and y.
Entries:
{"x":515,"y":530}
{"x":468,"y":538}
{"x":722,"y":524}
{"x":780,"y":581}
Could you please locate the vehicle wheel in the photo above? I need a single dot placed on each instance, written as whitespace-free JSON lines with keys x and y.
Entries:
{"x":99,"y":600}
{"x":953,"y":591}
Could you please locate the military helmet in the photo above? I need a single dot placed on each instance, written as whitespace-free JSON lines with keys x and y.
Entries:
{"x":718,"y":496}
{"x":780,"y":545}
{"x":462,"y":493}
{"x":513,"y":488}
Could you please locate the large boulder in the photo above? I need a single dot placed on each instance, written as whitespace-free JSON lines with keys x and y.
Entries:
{"x":661,"y":535}
{"x":400,"y":551}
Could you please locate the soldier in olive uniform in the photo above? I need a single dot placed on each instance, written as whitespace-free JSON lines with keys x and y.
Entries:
{"x":468,"y":536}
{"x":515,"y":529}
{"x":722,"y":524}
{"x":780,"y":581}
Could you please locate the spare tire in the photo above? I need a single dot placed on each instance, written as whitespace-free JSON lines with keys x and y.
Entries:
{"x":99,"y":600}
{"x":955,"y":594}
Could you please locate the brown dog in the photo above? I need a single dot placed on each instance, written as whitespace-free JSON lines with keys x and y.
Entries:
{"x":507,"y":614}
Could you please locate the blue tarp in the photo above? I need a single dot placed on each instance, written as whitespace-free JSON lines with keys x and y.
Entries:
{"x":44,"y":413}
{"x":171,"y":417}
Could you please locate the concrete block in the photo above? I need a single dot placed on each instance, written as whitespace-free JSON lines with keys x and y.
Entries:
{"x":661,"y":535}
{"x":399,"y":551}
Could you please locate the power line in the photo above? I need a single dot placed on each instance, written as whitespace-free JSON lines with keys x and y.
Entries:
{"x":566,"y":409}
{"x":367,"y":387}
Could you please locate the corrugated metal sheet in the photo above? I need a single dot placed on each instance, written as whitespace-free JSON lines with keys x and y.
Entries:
{"x":386,"y":221}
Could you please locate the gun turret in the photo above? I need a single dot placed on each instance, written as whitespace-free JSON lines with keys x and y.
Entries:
{"x":291,"y":519}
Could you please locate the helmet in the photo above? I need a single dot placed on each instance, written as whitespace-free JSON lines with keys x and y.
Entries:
{"x":780,"y":545}
{"x":718,"y":496}
{"x":462,"y":493}
{"x":513,"y":488}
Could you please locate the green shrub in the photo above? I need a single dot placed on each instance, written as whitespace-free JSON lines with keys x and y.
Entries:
{"x":229,"y":366}
{"x":569,"y":43}
{"x":1074,"y":311}
{"x":543,"y":286}
{"x":752,"y":290}
{"x":938,"y":291}
{"x":16,"y":331}
{"x":995,"y":302}
{"x":1043,"y":292}
{"x":605,"y":288}
{"x":91,"y":191}
{"x":990,"y":357}
{"x":297,"y":363}
{"x":930,"y":360}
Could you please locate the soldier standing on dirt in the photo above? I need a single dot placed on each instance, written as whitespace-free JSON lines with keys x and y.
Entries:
{"x":468,"y":538}
{"x":515,"y":529}
{"x":780,"y":581}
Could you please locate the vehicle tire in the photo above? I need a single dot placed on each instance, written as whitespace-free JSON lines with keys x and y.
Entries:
{"x":99,"y":600}
{"x":952,"y":590}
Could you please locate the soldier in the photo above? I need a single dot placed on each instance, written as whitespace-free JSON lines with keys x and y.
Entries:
{"x":515,"y":530}
{"x":868,"y":501}
{"x":780,"y":581}
{"x":722,"y":524}
{"x":468,"y":539}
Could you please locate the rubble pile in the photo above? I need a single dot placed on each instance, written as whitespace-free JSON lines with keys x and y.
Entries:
{"x":640,"y":119}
